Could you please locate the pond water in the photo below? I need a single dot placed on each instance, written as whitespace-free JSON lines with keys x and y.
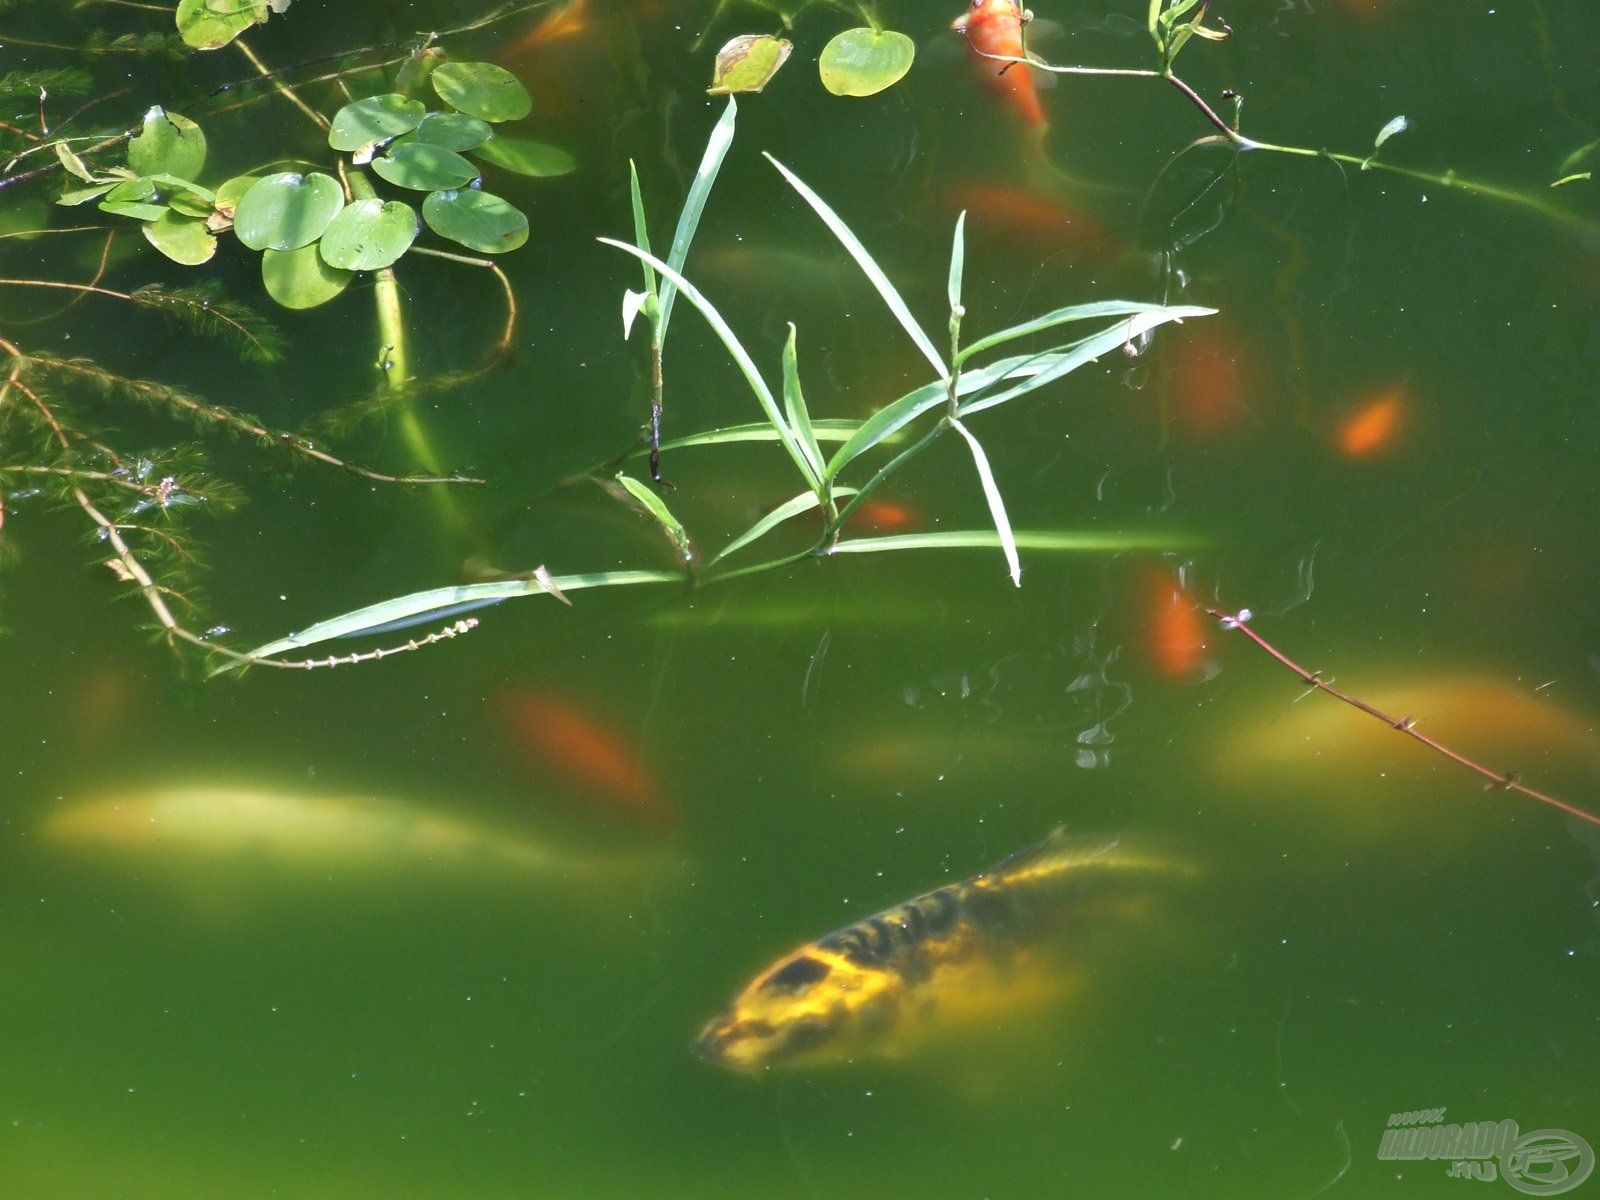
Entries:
{"x":448,"y":924}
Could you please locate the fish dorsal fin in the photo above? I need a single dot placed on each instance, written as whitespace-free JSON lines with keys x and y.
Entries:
{"x":1059,"y":851}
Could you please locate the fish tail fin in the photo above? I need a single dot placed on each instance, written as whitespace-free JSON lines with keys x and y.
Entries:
{"x":1063,"y":854}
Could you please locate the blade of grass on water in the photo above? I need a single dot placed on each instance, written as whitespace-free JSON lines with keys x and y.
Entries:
{"x":958,"y":260}
{"x":694,"y":204}
{"x":793,"y":507}
{"x":641,"y":232}
{"x":794,"y":405}
{"x":824,"y":430}
{"x":435,"y":600}
{"x":657,"y":508}
{"x":869,"y":267}
{"x":1027,"y":539}
{"x":1076,"y":312}
{"x":997,"y":504}
{"x":741,"y":357}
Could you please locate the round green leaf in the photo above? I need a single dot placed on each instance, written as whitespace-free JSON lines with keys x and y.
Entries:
{"x":184,"y":240}
{"x":232,"y":190}
{"x":482,"y":90}
{"x":372,"y":121}
{"x":300,"y":279}
{"x":369,"y":234}
{"x":863,"y":61}
{"x":287,"y":210}
{"x":526,"y":157}
{"x":748,"y":63}
{"x":168,"y":144}
{"x":208,"y":24}
{"x":453,"y":131}
{"x":477,"y":220}
{"x":424,"y":168}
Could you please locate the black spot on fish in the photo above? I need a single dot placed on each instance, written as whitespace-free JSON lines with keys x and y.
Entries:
{"x":801,"y":973}
{"x":806,"y":1034}
{"x":940,"y":910}
{"x":853,"y":944}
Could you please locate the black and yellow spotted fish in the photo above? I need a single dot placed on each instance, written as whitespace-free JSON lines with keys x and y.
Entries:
{"x":966,"y":952}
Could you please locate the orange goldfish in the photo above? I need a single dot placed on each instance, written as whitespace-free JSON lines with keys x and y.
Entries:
{"x":1370,"y":429}
{"x":994,"y":28}
{"x":885,"y":516}
{"x":569,"y":20}
{"x":1018,"y":216}
{"x":1208,"y":377}
{"x":551,"y":735}
{"x":1175,"y":638}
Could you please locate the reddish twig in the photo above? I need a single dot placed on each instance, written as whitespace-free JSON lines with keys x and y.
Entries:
{"x":1406,"y":725}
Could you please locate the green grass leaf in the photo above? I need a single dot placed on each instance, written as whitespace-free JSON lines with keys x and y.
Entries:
{"x":794,"y":407}
{"x":804,"y":502}
{"x":997,"y":504}
{"x":868,"y":265}
{"x":656,"y":507}
{"x":1061,"y":541}
{"x":1078,"y":312}
{"x":694,"y":205}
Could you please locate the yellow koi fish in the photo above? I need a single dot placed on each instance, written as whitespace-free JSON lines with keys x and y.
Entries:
{"x":958,"y":954}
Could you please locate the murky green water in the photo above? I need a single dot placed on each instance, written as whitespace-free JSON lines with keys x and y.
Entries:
{"x":411,"y":1009}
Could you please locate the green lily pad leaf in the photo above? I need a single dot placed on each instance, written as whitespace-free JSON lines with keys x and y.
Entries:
{"x":425,"y":168}
{"x":527,"y":157}
{"x":76,"y":196}
{"x":300,"y":279}
{"x":136,"y":198}
{"x":748,"y":63}
{"x":287,"y":210}
{"x":369,"y":234}
{"x":362,"y":124}
{"x":482,"y":90}
{"x":184,"y":240}
{"x":210,"y":24}
{"x":863,"y":61}
{"x":168,"y":144}
{"x":453,"y":131}
{"x":232,"y":190}
{"x":190,"y":204}
{"x":478,"y":220}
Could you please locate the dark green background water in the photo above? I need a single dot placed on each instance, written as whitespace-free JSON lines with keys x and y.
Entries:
{"x":1371,"y":933}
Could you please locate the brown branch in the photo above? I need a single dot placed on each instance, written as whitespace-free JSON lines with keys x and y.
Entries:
{"x":1406,"y":725}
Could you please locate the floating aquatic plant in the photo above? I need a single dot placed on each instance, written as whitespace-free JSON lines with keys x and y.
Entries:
{"x":969,"y":380}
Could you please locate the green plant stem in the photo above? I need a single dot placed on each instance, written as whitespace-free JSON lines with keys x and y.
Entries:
{"x":1231,"y":136}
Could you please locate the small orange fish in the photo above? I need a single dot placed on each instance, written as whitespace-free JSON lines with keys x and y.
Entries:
{"x":994,"y":27}
{"x":567,"y":21}
{"x":885,"y":516}
{"x":1208,"y":381}
{"x":1175,"y":638}
{"x":552,"y":735}
{"x":1019,"y":217}
{"x":1370,"y":429}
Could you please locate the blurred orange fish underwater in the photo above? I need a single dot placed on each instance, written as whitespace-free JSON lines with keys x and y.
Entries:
{"x":994,"y":27}
{"x":1371,"y":428}
{"x":1209,"y":377}
{"x":1021,"y":218}
{"x":1174,"y":631}
{"x":550,"y":735}
{"x":567,"y":21}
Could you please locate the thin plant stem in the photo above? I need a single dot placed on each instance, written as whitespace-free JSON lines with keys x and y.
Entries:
{"x":282,"y":88}
{"x":1406,"y":725}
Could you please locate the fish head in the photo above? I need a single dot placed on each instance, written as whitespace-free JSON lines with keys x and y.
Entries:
{"x":811,"y":1006}
{"x":980,"y":12}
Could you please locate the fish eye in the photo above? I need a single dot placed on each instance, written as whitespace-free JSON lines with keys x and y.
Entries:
{"x":792,"y":976}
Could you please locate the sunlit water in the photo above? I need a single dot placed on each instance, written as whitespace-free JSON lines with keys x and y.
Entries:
{"x":1368,"y":931}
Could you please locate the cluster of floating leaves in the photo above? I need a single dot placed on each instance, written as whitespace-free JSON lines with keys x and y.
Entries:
{"x":312,"y":240}
{"x":857,"y":62}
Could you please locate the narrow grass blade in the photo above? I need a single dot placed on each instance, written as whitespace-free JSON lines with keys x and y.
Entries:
{"x":1077,"y":312}
{"x":884,"y":424}
{"x":869,"y":267}
{"x":794,"y":406}
{"x":695,"y":204}
{"x":741,"y":357}
{"x":958,"y":261}
{"x":657,"y":508}
{"x":1086,"y":350}
{"x":824,"y":430}
{"x":997,"y":504}
{"x":436,"y":601}
{"x":1061,"y":541}
{"x":641,"y":232}
{"x":802,"y":503}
